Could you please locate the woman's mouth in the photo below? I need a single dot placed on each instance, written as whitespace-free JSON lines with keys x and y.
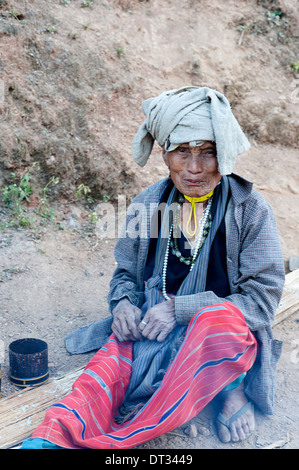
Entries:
{"x":191,"y":182}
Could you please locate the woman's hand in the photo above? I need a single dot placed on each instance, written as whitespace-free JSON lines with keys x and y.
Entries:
{"x":158,"y":321}
{"x":126,"y":320}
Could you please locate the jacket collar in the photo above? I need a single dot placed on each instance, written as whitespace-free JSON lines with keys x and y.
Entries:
{"x":240,"y":188}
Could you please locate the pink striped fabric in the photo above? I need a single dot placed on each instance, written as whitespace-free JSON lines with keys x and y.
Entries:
{"x":218,"y":347}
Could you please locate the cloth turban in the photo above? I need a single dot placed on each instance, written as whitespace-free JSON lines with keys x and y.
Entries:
{"x":190,"y":115}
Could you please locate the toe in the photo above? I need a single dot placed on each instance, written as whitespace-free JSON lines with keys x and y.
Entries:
{"x":223,"y":433}
{"x":246,"y":429}
{"x":237,"y":432}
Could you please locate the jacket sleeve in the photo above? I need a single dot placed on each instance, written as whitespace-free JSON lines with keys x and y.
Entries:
{"x":132,"y":247}
{"x":124,"y":283}
{"x":259,"y":275}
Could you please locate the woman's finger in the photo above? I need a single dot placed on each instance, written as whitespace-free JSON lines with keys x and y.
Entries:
{"x":117,"y":333}
{"x":121,"y":329}
{"x":162,"y":335}
{"x":151,"y":330}
{"x":132,"y":323}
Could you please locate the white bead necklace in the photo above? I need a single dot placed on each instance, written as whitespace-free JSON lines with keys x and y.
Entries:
{"x":198,"y":245}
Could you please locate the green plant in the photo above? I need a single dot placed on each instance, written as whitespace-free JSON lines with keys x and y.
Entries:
{"x":275,"y":17}
{"x":86,"y":4}
{"x":13,"y":196}
{"x":52,"y":29}
{"x":276,"y":13}
{"x":243,"y":27}
{"x":295,"y":66}
{"x":93,"y":218}
{"x":120,"y":52}
{"x":16,"y":14}
{"x":106,"y":198}
{"x":43,"y":209}
{"x":83,"y":190}
{"x":17,"y":193}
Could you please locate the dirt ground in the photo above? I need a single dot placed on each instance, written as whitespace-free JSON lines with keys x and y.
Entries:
{"x":74,"y":80}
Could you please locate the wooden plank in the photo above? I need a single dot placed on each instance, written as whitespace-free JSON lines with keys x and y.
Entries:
{"x":23,"y":411}
{"x":292,"y":280}
{"x":289,"y":303}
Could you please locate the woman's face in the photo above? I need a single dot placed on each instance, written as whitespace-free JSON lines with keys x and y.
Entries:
{"x":193,"y":170}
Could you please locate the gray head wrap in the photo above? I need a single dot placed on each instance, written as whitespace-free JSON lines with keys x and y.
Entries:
{"x":190,"y":114}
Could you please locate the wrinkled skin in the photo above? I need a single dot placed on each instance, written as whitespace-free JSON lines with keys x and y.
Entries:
{"x":126,"y":320}
{"x":160,"y":321}
{"x":127,"y":324}
{"x":193,"y":170}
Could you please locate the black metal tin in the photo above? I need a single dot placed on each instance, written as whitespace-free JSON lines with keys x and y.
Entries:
{"x":28,"y":360}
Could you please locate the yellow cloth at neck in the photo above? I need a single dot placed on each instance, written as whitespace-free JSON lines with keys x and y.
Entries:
{"x":193,"y":201}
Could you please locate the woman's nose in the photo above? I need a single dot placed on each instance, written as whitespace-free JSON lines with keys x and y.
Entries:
{"x":195,"y":164}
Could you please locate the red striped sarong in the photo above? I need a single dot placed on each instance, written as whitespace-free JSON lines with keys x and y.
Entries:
{"x":218,"y":347}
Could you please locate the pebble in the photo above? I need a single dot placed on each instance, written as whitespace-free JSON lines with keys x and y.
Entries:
{"x":203,"y":430}
{"x":293,"y":263}
{"x":191,"y":430}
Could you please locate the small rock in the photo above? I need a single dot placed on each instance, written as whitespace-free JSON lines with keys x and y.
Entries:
{"x":261,"y":441}
{"x":191,"y":430}
{"x":293,"y":263}
{"x":203,"y":430}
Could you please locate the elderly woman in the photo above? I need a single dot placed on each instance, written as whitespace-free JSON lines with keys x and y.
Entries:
{"x":200,"y":274}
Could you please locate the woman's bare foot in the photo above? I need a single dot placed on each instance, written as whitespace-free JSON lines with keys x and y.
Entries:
{"x":240,"y":427}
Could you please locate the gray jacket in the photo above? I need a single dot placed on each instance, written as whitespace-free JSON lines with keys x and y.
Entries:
{"x":255,"y":271}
